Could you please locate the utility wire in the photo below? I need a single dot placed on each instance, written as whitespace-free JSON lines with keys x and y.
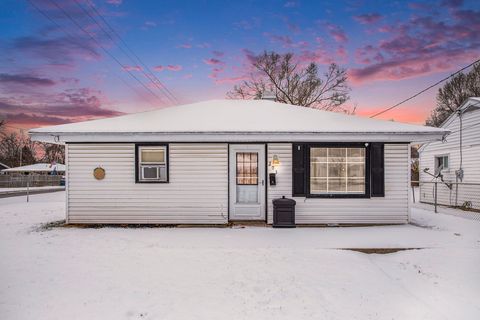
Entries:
{"x":150,"y":76}
{"x":426,"y":89}
{"x":105,"y":50}
{"x":131,"y":51}
{"x":73,"y":41}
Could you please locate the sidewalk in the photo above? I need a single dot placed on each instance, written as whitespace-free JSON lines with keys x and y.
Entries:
{"x":12,"y":192}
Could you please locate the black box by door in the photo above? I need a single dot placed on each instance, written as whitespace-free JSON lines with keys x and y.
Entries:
{"x":284,"y":213}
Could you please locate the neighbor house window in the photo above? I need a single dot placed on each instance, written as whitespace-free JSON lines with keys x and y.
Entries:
{"x":337,"y":171}
{"x":441,"y":163}
{"x":152,"y":163}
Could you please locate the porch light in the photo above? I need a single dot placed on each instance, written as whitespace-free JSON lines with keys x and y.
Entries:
{"x":275,"y":162}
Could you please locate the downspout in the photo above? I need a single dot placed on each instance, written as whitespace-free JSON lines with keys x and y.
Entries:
{"x":459,"y":172}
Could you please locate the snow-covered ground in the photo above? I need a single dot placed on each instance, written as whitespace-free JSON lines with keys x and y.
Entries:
{"x":240,"y":273}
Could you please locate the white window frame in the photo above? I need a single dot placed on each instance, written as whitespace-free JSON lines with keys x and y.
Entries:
{"x":443,"y":156}
{"x":347,"y":178}
{"x":148,"y":164}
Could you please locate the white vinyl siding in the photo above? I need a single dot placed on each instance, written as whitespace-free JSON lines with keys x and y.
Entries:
{"x":393,"y":208}
{"x":197,"y":191}
{"x":451,"y":147}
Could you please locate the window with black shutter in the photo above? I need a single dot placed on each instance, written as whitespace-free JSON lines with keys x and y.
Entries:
{"x":299,"y":171}
{"x":331,"y":170}
{"x":377,"y":169}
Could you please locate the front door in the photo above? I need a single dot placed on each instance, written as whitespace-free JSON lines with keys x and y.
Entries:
{"x":247,"y":182}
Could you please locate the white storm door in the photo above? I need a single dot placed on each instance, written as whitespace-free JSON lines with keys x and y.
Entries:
{"x":247,"y":182}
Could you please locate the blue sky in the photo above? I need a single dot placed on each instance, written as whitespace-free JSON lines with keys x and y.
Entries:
{"x":53,"y":72}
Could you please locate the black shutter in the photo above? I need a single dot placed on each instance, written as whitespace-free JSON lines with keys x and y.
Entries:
{"x":299,"y":172}
{"x":377,"y":170}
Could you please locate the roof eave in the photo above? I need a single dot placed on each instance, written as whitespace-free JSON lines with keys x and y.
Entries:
{"x":67,"y":137}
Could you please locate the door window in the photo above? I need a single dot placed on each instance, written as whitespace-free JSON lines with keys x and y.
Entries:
{"x":247,"y":177}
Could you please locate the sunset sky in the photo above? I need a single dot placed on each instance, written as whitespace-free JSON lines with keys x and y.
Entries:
{"x":58,"y":65}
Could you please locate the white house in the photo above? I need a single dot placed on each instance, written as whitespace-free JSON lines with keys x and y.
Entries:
{"x":457,"y":157}
{"x":210,"y":163}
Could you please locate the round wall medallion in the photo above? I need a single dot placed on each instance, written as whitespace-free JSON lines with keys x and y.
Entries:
{"x":99,"y":173}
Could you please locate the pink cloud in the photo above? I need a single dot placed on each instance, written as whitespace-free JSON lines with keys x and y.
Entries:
{"x":29,"y":80}
{"x":336,"y":32}
{"x":230,"y":80}
{"x":319,"y":56}
{"x":421,"y":46}
{"x":249,"y":55}
{"x":40,"y":109}
{"x":286,"y":41}
{"x":218,"y":53}
{"x":341,"y":53}
{"x":212,"y":61}
{"x":170,"y":67}
{"x":132,"y":68}
{"x":185,"y":46}
{"x":368,"y":18}
{"x":398,"y":69}
{"x":188,"y":76}
{"x":174,"y":67}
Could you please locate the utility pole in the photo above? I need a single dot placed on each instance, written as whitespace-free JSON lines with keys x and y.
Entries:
{"x":21,"y":146}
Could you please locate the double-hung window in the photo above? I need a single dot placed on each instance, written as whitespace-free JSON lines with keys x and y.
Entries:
{"x":337,"y":171}
{"x":152,"y":163}
{"x":441,"y":163}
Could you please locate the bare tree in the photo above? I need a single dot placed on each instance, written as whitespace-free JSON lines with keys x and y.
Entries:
{"x":52,"y":152}
{"x":17,"y":150}
{"x":295,"y":84}
{"x":454,"y":93}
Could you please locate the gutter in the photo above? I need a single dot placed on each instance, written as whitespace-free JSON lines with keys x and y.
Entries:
{"x":236,"y":136}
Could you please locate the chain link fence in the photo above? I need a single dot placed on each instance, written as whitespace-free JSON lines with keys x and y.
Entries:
{"x":462,"y":195}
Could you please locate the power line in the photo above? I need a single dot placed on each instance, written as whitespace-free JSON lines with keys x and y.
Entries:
{"x":152,"y":75}
{"x":155,"y":81}
{"x":105,"y":50}
{"x":72,"y":39}
{"x":426,"y":89}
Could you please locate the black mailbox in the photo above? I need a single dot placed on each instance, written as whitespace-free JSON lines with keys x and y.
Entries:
{"x":284,"y":213}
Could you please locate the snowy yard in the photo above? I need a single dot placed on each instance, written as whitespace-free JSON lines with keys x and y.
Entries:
{"x":240,"y":273}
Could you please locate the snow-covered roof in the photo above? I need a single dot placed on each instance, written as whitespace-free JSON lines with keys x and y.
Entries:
{"x":472,"y":103}
{"x":227,"y":118}
{"x":37,"y":167}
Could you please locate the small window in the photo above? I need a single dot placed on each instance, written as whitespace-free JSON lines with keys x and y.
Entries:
{"x":247,"y":168}
{"x":337,"y":171}
{"x":441,"y":163}
{"x":152,"y":164}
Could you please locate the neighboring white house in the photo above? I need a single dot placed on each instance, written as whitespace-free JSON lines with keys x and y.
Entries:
{"x":3,"y":166}
{"x":37,"y":168}
{"x":209,"y":162}
{"x":457,"y":157}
